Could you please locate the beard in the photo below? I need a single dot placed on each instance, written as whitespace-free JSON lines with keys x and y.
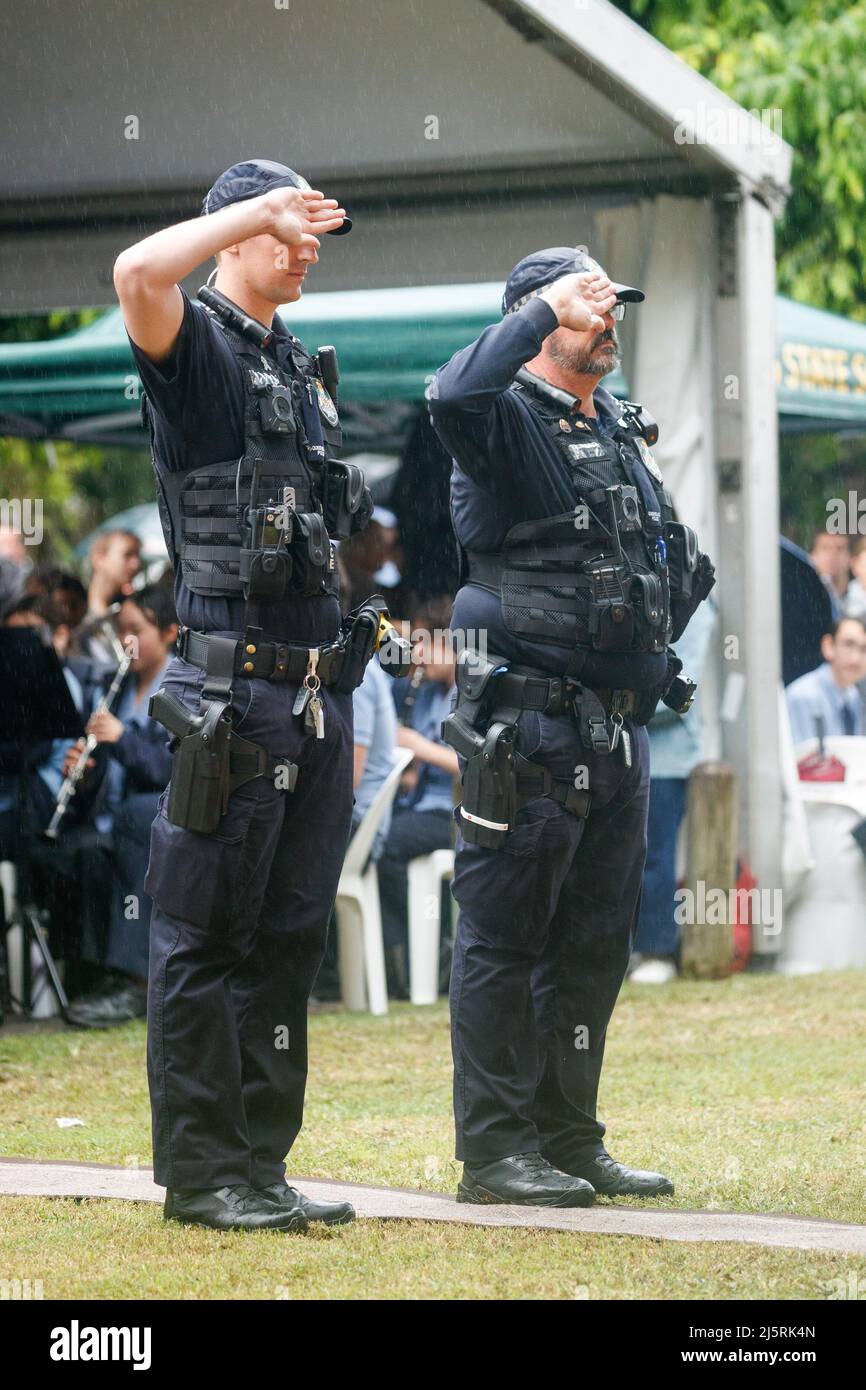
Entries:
{"x":601,"y":357}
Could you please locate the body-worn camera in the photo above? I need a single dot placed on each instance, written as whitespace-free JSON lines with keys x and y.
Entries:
{"x":625,"y":505}
{"x":276,"y":412}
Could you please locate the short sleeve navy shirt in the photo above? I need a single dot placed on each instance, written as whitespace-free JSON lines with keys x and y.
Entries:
{"x":196,"y":405}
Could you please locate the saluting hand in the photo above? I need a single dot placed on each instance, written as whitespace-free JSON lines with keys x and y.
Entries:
{"x":300,"y":215}
{"x":580,"y":300}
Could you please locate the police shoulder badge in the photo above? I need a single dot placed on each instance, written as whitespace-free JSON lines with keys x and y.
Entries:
{"x":649,"y":462}
{"x":327,"y":409}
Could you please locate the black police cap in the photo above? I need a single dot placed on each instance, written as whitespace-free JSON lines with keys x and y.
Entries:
{"x":250,"y":179}
{"x":538,"y":270}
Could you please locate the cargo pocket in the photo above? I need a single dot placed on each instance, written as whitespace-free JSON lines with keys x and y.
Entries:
{"x":200,"y":878}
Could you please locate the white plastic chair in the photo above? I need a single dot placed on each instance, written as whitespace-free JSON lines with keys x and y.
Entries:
{"x":359,"y":915}
{"x":825,"y":925}
{"x":426,"y":874}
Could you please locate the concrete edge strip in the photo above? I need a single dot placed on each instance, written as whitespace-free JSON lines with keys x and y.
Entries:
{"x":55,"y":1178}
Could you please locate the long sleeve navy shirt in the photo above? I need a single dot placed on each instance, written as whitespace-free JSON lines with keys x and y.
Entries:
{"x":507,"y":468}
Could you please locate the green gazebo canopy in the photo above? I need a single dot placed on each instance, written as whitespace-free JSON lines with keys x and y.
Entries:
{"x":84,"y":385}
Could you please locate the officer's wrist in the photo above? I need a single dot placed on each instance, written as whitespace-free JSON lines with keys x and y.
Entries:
{"x":541,"y":314}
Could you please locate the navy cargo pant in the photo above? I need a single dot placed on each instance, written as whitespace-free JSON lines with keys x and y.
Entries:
{"x":542,"y":944}
{"x":237,"y":935}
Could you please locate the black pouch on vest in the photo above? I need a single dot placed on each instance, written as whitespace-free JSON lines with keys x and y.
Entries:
{"x":651,"y":610}
{"x":683,"y":607}
{"x":313,"y":557}
{"x":489,"y":806}
{"x":682,"y":557}
{"x":611,"y":619}
{"x":342,"y":494}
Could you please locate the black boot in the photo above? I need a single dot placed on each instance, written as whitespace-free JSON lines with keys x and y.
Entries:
{"x":109,"y":1006}
{"x":236,"y":1208}
{"x":613,"y":1179}
{"x":525,"y":1179}
{"x":290,"y":1199}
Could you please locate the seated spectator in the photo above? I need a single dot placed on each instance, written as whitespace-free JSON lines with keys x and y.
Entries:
{"x":67,"y":593}
{"x":371,"y":560}
{"x":422,"y":816}
{"x":115,"y":560}
{"x":826,"y":701}
{"x":854,"y":605}
{"x":375,"y":744}
{"x":137,"y":771}
{"x":829,"y":555}
{"x":675,"y":748}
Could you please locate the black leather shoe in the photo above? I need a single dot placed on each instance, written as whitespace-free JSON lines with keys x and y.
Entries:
{"x":524,"y":1179}
{"x":290,"y":1199}
{"x":236,"y":1208}
{"x":109,"y":1009}
{"x":613,"y":1179}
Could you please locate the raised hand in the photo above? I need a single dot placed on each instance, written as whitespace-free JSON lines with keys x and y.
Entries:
{"x":579,"y":300}
{"x":300,"y":215}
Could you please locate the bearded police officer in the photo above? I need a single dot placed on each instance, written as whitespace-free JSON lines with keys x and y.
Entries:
{"x":575,"y":579}
{"x":248,"y":843}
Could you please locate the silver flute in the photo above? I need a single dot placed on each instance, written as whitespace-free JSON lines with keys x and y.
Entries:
{"x":70,"y":783}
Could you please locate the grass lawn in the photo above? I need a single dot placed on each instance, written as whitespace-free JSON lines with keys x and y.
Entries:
{"x":751,"y":1093}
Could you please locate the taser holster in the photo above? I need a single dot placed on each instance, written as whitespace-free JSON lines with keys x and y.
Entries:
{"x":210,"y":761}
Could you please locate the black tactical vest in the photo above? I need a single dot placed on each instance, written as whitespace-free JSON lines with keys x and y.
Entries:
{"x":201,"y":508}
{"x":595,"y":577}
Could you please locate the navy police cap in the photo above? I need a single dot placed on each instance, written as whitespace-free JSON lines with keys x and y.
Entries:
{"x":253,"y":177}
{"x":538,"y":270}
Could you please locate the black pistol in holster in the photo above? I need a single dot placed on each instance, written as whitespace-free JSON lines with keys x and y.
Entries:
{"x":488,"y":808}
{"x":497,"y":780}
{"x":210,"y":761}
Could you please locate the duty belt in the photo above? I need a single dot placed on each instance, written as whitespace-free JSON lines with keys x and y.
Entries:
{"x":528,"y":689}
{"x":270,"y":661}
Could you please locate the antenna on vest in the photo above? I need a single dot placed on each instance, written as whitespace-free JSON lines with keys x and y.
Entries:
{"x":232,"y":316}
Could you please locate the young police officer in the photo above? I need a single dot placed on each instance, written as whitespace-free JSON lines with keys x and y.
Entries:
{"x":577,"y":576}
{"x":248,"y":843}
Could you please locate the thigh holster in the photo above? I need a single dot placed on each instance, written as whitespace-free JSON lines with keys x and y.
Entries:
{"x":497,"y":780}
{"x":210,"y":762}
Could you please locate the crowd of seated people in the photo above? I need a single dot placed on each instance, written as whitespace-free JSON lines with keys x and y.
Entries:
{"x":88,"y":880}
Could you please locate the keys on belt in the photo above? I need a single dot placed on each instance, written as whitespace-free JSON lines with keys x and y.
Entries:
{"x":308,"y":701}
{"x":620,"y":735}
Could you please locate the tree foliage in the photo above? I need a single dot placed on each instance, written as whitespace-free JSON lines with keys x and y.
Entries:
{"x":806,"y":59}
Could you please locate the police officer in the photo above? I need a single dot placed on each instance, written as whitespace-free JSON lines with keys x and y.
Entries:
{"x":249,"y":839}
{"x":575,"y":578}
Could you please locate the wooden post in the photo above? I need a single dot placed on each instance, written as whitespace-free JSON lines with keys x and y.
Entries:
{"x":707,"y":946}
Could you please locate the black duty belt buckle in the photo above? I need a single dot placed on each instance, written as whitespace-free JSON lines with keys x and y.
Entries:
{"x":598,"y":735}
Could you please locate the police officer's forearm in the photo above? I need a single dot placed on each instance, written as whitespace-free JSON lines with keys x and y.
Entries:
{"x":161,"y":260}
{"x":146,"y":275}
{"x":477,"y":375}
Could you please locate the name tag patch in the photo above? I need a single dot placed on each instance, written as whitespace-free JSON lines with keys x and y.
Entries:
{"x":590,"y":450}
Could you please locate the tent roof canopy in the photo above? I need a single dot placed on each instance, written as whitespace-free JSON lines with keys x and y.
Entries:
{"x":450,"y":131}
{"x":389,"y":342}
